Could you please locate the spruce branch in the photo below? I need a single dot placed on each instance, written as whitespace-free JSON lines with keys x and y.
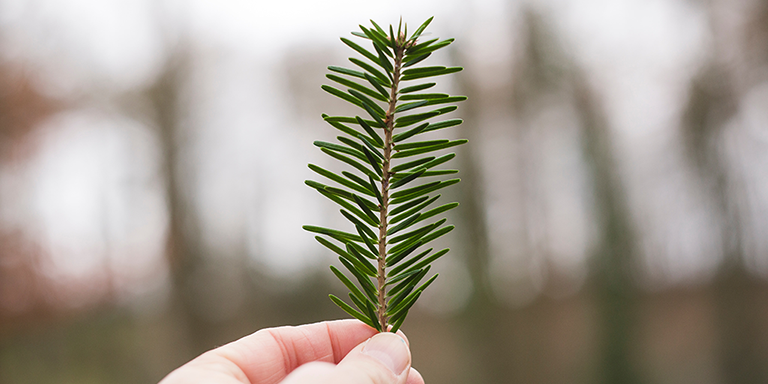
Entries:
{"x":384,"y":257}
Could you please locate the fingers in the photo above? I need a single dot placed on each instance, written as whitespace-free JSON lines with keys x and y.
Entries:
{"x":207,"y":368}
{"x":383,"y":359}
{"x":315,"y":372}
{"x":269,"y":355}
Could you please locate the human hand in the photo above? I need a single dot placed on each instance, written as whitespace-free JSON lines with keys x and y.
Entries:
{"x":338,"y":352}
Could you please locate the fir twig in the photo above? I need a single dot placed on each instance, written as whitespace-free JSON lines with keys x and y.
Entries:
{"x":392,"y":61}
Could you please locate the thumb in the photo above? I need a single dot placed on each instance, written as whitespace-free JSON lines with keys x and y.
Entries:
{"x":382,"y":359}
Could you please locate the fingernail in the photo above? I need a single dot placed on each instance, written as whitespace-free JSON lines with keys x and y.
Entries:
{"x":390,"y":349}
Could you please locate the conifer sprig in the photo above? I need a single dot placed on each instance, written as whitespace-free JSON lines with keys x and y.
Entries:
{"x":383,"y":197}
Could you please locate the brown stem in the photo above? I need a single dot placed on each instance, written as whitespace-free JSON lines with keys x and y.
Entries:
{"x":385,"y":176}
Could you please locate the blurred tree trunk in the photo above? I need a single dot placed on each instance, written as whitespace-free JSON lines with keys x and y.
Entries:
{"x":543,"y":73}
{"x":22,"y":108}
{"x":183,"y":248}
{"x":481,"y":320}
{"x":737,"y":64}
{"x":613,"y":260}
{"x":712,"y":104}
{"x":546,"y":72}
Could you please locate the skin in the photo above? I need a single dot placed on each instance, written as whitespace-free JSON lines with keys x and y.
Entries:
{"x":339,"y":352}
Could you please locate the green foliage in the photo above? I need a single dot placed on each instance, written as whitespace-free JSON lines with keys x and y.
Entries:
{"x":379,"y":253}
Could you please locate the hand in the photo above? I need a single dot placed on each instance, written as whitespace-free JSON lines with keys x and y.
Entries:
{"x":338,"y":352}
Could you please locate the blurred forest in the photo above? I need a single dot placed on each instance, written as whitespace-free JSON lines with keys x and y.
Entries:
{"x":613,"y":225}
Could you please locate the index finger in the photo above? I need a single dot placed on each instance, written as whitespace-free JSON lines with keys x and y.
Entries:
{"x":268,"y":355}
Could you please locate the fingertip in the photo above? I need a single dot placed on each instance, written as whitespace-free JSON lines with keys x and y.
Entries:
{"x":414,"y":377}
{"x":389,"y":349}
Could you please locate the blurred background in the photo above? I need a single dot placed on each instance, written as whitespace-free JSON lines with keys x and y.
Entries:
{"x":613,"y":225}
